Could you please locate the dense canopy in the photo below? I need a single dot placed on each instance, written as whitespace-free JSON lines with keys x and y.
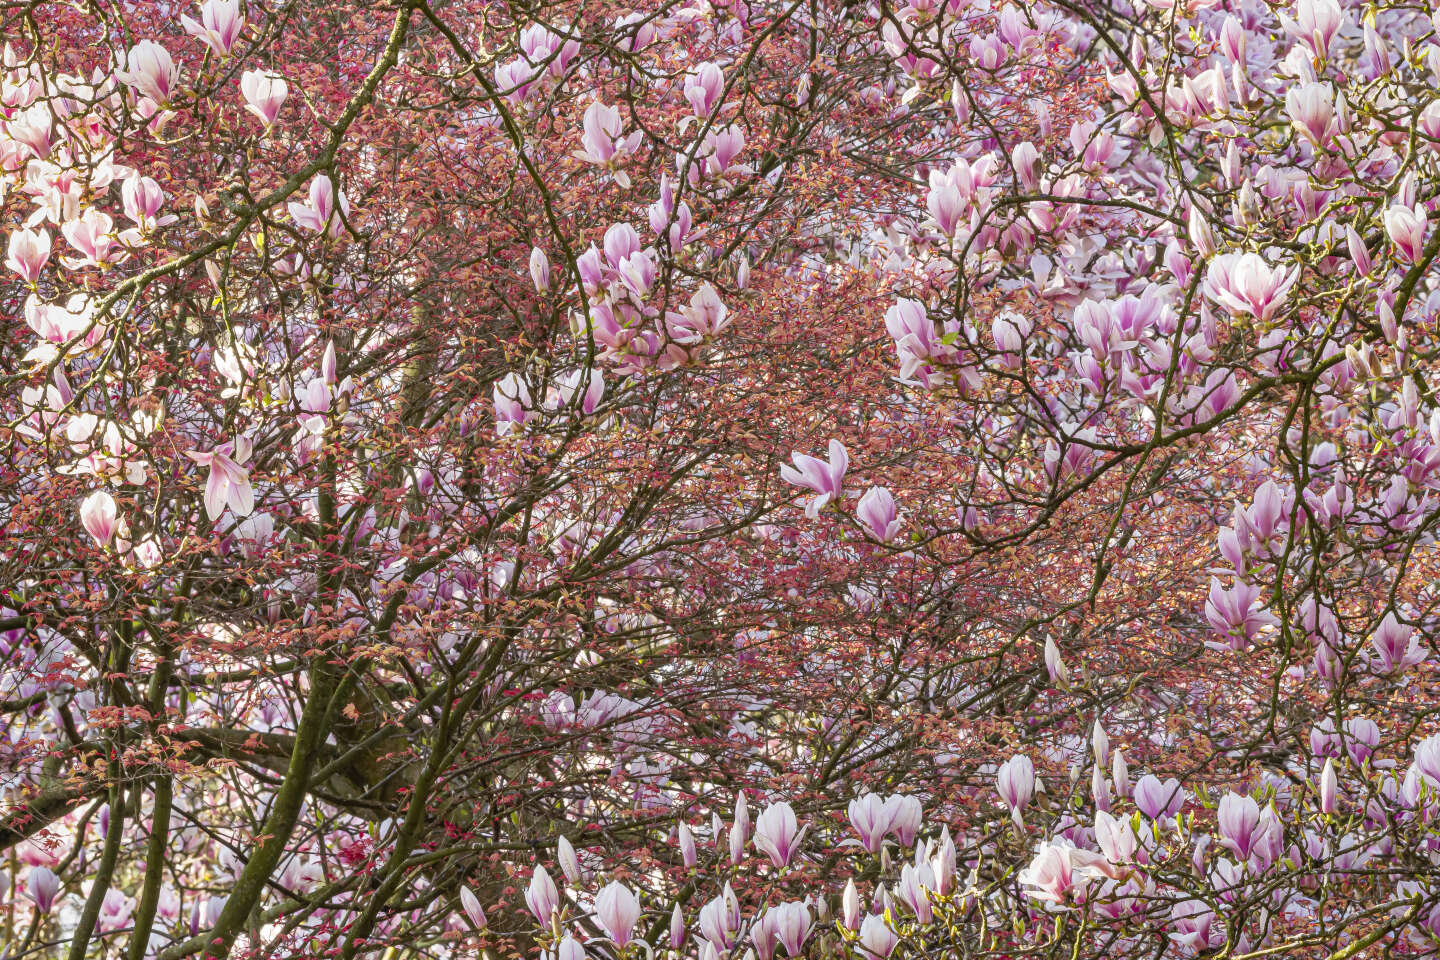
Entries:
{"x":716,"y":480}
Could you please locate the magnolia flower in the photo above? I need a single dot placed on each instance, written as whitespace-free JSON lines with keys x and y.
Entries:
{"x":471,"y":904}
{"x":876,"y":937}
{"x":1060,"y":871}
{"x":1239,"y":816}
{"x":1311,"y":107}
{"x":792,"y":926}
{"x":703,"y":87}
{"x":877,"y":513}
{"x":229,"y":482}
{"x":320,"y":212}
{"x":871,"y":821}
{"x":541,"y":896}
{"x":827,"y":480}
{"x":29,"y":251}
{"x":93,"y":235}
{"x":219,"y":27}
{"x":617,"y":910}
{"x":42,"y":887}
{"x":143,"y":199}
{"x":512,"y":403}
{"x":1406,"y":227}
{"x":778,"y":833}
{"x":1329,"y":787}
{"x":1244,"y":283}
{"x":264,"y":94}
{"x":540,"y":269}
{"x":1316,"y":23}
{"x":97,"y":516}
{"x":604,"y":140}
{"x":1015,"y":783}
{"x":1396,"y":646}
{"x":150,"y":71}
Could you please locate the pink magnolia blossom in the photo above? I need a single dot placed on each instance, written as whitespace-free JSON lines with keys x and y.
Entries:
{"x":541,"y":896}
{"x":1244,"y":283}
{"x":876,"y":512}
{"x":264,"y":94}
{"x":1406,"y":227}
{"x":150,"y":71}
{"x":42,"y":886}
{"x":1016,"y":785}
{"x":28,"y":252}
{"x":97,"y":516}
{"x":319,"y":211}
{"x":93,"y":235}
{"x":617,"y":910}
{"x":703,"y":87}
{"x":826,"y":479}
{"x":471,"y":905}
{"x":229,"y":481}
{"x":219,"y":27}
{"x":1396,"y":646}
{"x":778,"y":834}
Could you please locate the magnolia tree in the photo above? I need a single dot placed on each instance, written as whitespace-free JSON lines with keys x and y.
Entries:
{"x":719,"y":480}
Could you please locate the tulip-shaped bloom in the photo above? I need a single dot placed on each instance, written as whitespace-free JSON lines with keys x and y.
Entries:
{"x":569,"y":863}
{"x":1239,"y":819}
{"x":471,"y":905}
{"x":871,"y":821}
{"x":512,"y":403}
{"x":539,"y":269}
{"x":150,"y":71}
{"x":688,"y":854}
{"x":320,"y":212}
{"x":1406,"y":227}
{"x":792,"y":926}
{"x":826,"y":479}
{"x":906,"y":815}
{"x":541,"y":896}
{"x":1055,"y":873}
{"x":916,"y":340}
{"x":92,"y":233}
{"x":28,"y":252}
{"x":1016,"y":785}
{"x":720,"y":920}
{"x":97,"y":516}
{"x":1359,"y":253}
{"x":1237,"y":613}
{"x":946,"y":202}
{"x":703,"y":87}
{"x":1329,"y":787}
{"x":1157,"y":798}
{"x":876,"y":511}
{"x":916,"y":882}
{"x":1311,"y":108}
{"x":569,"y":385}
{"x":1396,"y":646}
{"x":569,"y":949}
{"x":850,"y":906}
{"x":1244,"y":283}
{"x":617,"y":910}
{"x":143,"y":200}
{"x":1427,"y":760}
{"x":876,"y":937}
{"x":264,"y":94}
{"x":42,"y":887}
{"x":1316,"y":23}
{"x":229,"y":482}
{"x":604,"y":141}
{"x":219,"y":27}
{"x":1115,"y":837}
{"x":778,"y":833}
